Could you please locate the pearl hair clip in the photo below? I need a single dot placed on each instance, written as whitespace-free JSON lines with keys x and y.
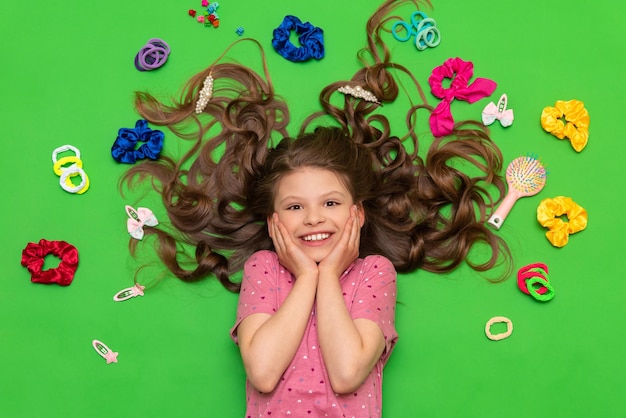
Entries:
{"x":205,"y":94}
{"x":359,"y":92}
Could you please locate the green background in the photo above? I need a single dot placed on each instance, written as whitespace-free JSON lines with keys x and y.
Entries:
{"x":68,"y":78}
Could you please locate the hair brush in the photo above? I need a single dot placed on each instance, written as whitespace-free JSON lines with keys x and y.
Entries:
{"x":525,"y":176}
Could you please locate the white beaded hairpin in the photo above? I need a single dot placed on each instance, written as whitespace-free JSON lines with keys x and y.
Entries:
{"x":205,"y":94}
{"x":359,"y":92}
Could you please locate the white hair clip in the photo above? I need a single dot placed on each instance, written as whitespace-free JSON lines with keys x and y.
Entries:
{"x":101,"y":348}
{"x":205,"y":94}
{"x":359,"y":92}
{"x":129,"y":292}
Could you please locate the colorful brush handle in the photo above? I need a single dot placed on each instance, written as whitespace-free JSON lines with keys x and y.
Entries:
{"x":497,"y":219}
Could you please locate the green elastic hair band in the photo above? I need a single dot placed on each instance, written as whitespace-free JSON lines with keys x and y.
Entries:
{"x":533,"y":292}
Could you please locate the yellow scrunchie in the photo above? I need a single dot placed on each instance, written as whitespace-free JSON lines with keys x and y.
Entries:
{"x":577,"y":127}
{"x":548,"y":215}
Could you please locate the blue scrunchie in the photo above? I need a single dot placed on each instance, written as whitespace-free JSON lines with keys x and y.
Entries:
{"x":311,"y":38}
{"x":123,"y":149}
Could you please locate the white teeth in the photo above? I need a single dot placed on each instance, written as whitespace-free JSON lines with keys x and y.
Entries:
{"x":316,"y":237}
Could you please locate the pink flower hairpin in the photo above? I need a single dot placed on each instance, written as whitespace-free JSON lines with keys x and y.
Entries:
{"x":491,"y":112}
{"x":129,"y":292}
{"x":104,"y":351}
{"x":137,"y":219}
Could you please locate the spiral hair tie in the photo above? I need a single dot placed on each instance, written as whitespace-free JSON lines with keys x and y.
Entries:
{"x":310,"y":37}
{"x":33,"y":259}
{"x":549,"y":214}
{"x":535,"y":274}
{"x":152,"y":55}
{"x":123,"y":149}
{"x":567,"y":119}
{"x":74,"y":169}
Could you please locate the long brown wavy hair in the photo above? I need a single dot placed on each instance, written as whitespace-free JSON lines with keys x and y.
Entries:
{"x":421,"y":212}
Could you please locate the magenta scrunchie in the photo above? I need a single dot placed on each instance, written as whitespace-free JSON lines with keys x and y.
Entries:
{"x":441,"y":121}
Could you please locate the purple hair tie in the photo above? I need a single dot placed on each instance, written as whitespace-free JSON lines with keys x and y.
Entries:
{"x":152,"y":55}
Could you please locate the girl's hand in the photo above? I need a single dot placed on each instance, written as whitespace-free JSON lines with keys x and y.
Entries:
{"x":289,"y":254}
{"x":347,"y":248}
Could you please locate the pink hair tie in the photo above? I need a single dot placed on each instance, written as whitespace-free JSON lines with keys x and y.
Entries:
{"x":534,"y":281}
{"x":532,"y":270}
{"x":460,"y":72}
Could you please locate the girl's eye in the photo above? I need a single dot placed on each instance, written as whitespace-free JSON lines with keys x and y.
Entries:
{"x":294,"y":207}
{"x":332,"y":203}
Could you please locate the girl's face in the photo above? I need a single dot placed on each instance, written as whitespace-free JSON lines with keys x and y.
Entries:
{"x":314,"y":206}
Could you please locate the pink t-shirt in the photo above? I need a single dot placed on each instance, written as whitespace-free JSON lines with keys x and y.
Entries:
{"x":369,"y":288}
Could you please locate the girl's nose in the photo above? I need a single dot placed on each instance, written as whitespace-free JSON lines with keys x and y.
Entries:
{"x":313,"y":217}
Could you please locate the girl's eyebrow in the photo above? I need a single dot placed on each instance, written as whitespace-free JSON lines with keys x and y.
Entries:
{"x":322,"y":197}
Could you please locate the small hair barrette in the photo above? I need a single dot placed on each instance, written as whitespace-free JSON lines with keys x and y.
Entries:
{"x":491,"y":112}
{"x":104,"y":351}
{"x":137,"y":219}
{"x":205,"y":94}
{"x":359,"y":92}
{"x":129,"y":292}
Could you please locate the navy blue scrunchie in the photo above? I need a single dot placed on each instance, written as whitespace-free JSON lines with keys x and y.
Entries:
{"x":311,"y":38}
{"x":123,"y":149}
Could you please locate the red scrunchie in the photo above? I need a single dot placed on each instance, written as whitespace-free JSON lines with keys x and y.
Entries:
{"x":33,"y":258}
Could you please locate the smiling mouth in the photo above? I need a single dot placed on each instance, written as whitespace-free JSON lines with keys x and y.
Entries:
{"x":315,"y":237}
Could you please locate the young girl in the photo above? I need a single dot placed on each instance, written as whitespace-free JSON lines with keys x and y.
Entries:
{"x":315,"y":323}
{"x":319,"y":224}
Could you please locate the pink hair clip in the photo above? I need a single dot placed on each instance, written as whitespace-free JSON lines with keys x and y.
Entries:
{"x":129,"y":292}
{"x":137,"y":219}
{"x":491,"y":112}
{"x":104,"y":351}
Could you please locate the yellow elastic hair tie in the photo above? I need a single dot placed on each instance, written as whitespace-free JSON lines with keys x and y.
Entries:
{"x":58,"y":165}
{"x":549,"y":214}
{"x":567,"y":119}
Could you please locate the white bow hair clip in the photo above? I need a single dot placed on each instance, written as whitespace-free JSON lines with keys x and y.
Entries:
{"x":137,"y":219}
{"x":491,"y":112}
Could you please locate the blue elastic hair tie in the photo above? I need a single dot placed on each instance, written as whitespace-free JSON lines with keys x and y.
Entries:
{"x":311,"y":40}
{"x":123,"y":149}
